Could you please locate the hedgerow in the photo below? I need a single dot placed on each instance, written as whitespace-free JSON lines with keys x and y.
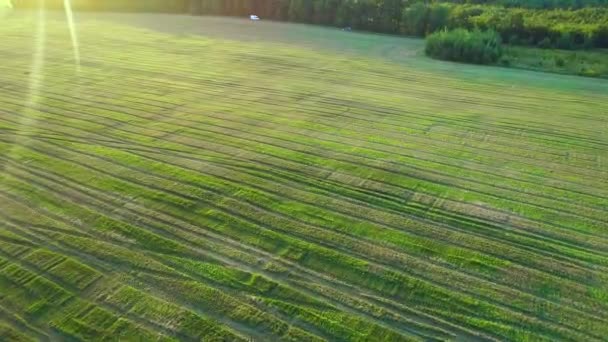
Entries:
{"x":479,"y":47}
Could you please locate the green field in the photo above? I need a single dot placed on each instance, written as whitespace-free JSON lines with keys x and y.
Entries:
{"x":216,"y":179}
{"x":589,"y":63}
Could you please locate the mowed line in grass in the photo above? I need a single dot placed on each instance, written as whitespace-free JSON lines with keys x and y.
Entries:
{"x":130,"y":149}
{"x":34,"y":276}
{"x":298,"y":72}
{"x":216,"y":46}
{"x":106,"y":91}
{"x":378,"y":108}
{"x":227,"y":145}
{"x":225,"y":123}
{"x":422,"y":159}
{"x":126,"y":269}
{"x":47,"y":273}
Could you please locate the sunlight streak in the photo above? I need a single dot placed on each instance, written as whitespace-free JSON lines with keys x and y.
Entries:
{"x":36,"y":78}
{"x":72,"y":26}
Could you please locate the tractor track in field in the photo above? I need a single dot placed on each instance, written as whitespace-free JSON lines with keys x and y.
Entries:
{"x":76,"y":151}
{"x":389,"y":170}
{"x":171,"y":74}
{"x":436,"y":284}
{"x":145,"y":151}
{"x":243,"y":267}
{"x":292,"y":193}
{"x":107,"y":266}
{"x":439,"y":164}
{"x":163,"y":108}
{"x":12,"y":317}
{"x":169,"y":274}
{"x":377,"y":108}
{"x":318,"y":110}
{"x":270,"y":91}
{"x":427,"y":76}
{"x":73,"y":292}
{"x":303,"y":132}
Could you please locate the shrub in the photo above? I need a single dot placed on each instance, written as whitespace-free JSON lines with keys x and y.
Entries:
{"x":514,"y":40}
{"x":479,"y":47}
{"x":414,"y":19}
{"x":588,"y":72}
{"x":545,"y":43}
{"x":565,"y":41}
{"x":438,"y":17}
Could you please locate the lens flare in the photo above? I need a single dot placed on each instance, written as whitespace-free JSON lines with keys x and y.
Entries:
{"x":5,"y":7}
{"x":36,"y":77}
{"x":67,"y":5}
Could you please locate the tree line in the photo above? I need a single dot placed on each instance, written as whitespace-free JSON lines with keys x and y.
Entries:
{"x":586,"y":27}
{"x":568,"y":24}
{"x":539,"y":4}
{"x":461,"y":45}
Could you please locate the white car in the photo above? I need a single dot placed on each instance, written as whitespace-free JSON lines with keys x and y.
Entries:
{"x":254,"y":17}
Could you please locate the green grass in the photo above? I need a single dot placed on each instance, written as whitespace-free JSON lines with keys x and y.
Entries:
{"x":215,"y":179}
{"x":589,"y":63}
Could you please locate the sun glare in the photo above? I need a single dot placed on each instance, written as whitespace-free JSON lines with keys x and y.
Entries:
{"x":72,"y":26}
{"x":35,"y":81}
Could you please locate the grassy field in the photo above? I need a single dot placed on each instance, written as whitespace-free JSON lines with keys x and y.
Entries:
{"x":214,"y":179}
{"x":591,"y":63}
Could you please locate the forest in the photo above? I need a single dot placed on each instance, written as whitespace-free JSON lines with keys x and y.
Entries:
{"x":564,"y":24}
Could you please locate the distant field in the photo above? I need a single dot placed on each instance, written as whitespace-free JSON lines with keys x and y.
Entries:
{"x":286,"y":182}
{"x":589,"y":63}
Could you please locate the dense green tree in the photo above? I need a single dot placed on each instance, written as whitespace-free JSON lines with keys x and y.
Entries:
{"x":479,"y":47}
{"x":438,"y":16}
{"x":389,"y":15}
{"x":363,"y":14}
{"x":415,"y":18}
{"x":566,"y":24}
{"x":300,"y":10}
